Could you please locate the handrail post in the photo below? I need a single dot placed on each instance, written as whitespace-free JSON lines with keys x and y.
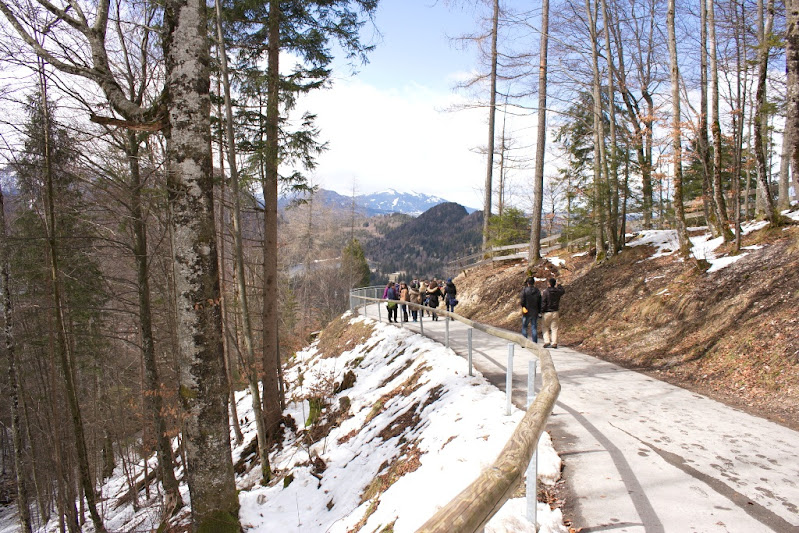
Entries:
{"x":469,"y":344}
{"x":509,"y":378}
{"x":446,"y":322}
{"x":421,"y":322}
{"x":532,"y":468}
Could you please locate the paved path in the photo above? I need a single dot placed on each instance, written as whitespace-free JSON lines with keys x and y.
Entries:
{"x":642,"y":455}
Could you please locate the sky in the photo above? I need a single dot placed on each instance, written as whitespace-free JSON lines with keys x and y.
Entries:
{"x":391,"y":125}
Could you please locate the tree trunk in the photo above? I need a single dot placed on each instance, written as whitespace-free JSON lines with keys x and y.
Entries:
{"x":492,"y":111}
{"x":599,"y":138}
{"x":640,"y":127}
{"x":62,"y":344}
{"x":611,"y":173}
{"x":541,"y":139}
{"x":702,"y":137}
{"x":221,"y":225}
{"x":679,"y":209}
{"x":783,"y":200}
{"x":764,"y":34}
{"x":203,"y":390}
{"x":23,"y":504}
{"x":792,"y":65}
{"x":152,"y":394}
{"x":271,"y":355}
{"x":720,"y":206}
{"x":238,"y":250}
{"x":738,"y":126}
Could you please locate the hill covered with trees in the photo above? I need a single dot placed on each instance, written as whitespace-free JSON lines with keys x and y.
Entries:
{"x":423,"y":246}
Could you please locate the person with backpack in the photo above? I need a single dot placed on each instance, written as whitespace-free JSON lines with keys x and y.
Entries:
{"x":530,"y":302}
{"x":392,"y":295}
{"x":550,"y":307}
{"x":450,"y":293}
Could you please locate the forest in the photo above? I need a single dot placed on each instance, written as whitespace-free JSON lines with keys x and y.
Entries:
{"x":147,"y":273}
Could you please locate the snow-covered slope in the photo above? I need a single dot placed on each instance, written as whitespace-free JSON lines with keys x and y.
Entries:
{"x":403,"y":430}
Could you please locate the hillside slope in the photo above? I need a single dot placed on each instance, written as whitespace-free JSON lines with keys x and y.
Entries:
{"x":730,"y":334}
{"x":423,"y":246}
{"x":382,"y":427}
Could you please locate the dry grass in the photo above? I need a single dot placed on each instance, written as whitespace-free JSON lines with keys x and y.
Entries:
{"x":340,"y":336}
{"x":730,"y":334}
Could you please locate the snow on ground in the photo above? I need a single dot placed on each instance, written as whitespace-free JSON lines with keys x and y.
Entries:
{"x":448,"y":442}
{"x":703,"y":246}
{"x":413,"y":410}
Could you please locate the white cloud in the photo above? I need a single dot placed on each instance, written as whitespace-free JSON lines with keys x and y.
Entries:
{"x":403,"y":138}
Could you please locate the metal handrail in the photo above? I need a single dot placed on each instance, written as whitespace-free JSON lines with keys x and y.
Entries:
{"x":471,"y":510}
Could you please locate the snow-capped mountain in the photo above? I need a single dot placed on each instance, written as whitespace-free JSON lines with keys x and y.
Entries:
{"x":392,"y":201}
{"x":379,"y":203}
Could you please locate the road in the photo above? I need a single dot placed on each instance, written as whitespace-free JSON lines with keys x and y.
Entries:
{"x":641,"y":455}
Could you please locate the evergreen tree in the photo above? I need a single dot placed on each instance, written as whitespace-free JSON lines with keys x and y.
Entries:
{"x":354,"y":265}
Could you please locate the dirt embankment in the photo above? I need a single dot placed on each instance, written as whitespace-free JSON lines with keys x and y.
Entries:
{"x":732,"y":334}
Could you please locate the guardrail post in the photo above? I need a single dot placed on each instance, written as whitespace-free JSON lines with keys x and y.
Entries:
{"x":469,"y":344}
{"x":532,"y":468}
{"x":379,"y":313}
{"x":421,"y":322}
{"x":509,"y":378}
{"x":446,"y":326}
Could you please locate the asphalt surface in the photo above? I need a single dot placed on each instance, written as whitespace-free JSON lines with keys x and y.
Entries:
{"x":641,"y":455}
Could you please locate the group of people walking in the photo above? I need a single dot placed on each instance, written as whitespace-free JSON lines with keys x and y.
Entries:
{"x":535,"y":304}
{"x":427,"y":293}
{"x":544,"y":305}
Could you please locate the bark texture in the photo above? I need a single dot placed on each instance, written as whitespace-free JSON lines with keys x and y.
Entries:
{"x":271,"y":355}
{"x":203,"y":388}
{"x":676,"y":136}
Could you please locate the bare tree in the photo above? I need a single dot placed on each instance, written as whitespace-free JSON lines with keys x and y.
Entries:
{"x":792,"y":64}
{"x":183,"y":113}
{"x":238,"y":252}
{"x":598,"y":132}
{"x":679,"y":208}
{"x":492,"y":111}
{"x":718,"y":191}
{"x":611,"y":163}
{"x":23,"y":504}
{"x":764,"y":29}
{"x":541,"y":139}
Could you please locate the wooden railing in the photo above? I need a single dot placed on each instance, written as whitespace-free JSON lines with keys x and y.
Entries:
{"x":471,"y":510}
{"x":500,"y":253}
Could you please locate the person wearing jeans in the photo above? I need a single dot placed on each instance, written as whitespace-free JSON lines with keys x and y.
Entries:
{"x":530,"y":302}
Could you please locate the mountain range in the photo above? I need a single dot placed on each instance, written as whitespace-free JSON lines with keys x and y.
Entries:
{"x":378,"y":203}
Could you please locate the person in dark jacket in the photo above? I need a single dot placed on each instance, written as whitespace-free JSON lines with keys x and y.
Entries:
{"x":550,"y":307}
{"x":433,"y":294}
{"x":450,"y":293}
{"x":392,"y":294}
{"x":530,"y":302}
